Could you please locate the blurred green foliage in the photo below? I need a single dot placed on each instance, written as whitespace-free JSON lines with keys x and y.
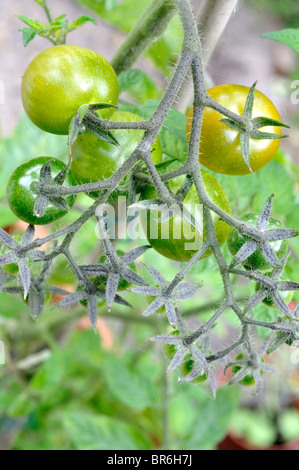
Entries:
{"x":84,"y":398}
{"x":164,"y":51}
{"x":287,"y":11}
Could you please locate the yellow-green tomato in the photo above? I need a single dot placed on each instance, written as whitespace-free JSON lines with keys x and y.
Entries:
{"x":175,"y":237}
{"x":220,"y":147}
{"x":61,"y":79}
{"x":94,"y":160}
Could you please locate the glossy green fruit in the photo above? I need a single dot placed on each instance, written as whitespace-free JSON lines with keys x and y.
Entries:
{"x":20,"y":197}
{"x":61,"y":79}
{"x":95,"y":160}
{"x":173,"y":243}
{"x":286,"y":295}
{"x":256,"y":261}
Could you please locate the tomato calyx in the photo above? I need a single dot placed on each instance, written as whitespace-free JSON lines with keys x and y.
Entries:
{"x":112,"y":274}
{"x":248,"y":370}
{"x":47,"y":189}
{"x":259,"y":238}
{"x":87,"y":119}
{"x":268,"y":289}
{"x":288,"y":334}
{"x":250,"y":128}
{"x":19,"y":253}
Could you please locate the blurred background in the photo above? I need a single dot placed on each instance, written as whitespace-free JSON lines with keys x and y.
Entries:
{"x":63,"y":387}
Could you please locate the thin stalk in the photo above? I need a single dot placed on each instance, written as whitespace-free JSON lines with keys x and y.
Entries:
{"x":151,"y":24}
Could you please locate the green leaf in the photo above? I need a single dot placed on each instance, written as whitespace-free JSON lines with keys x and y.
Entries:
{"x":130,"y":388}
{"x":56,"y":25}
{"x":265,"y":314}
{"x":81,"y":21}
{"x":212,"y":420}
{"x":28,"y":35}
{"x":49,"y":375}
{"x":165,"y":51}
{"x":140,"y":86}
{"x":268,"y":178}
{"x":39,"y":2}
{"x":173,"y":132}
{"x":31,"y":22}
{"x":290,"y":37}
{"x":90,"y":432}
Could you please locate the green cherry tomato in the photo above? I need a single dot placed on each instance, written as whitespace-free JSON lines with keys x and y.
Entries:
{"x":220,"y":148}
{"x":286,"y":295}
{"x":95,"y":160}
{"x":174,"y":238}
{"x":61,"y":79}
{"x":256,"y":261}
{"x":20,"y":197}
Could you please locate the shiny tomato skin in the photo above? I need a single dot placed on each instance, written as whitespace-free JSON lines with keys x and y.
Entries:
{"x":175,"y":247}
{"x":256,"y":261}
{"x":61,"y":79}
{"x":220,"y":149}
{"x":20,"y":197}
{"x":94,"y":160}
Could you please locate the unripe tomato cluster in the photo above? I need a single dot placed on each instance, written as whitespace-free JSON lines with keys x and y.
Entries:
{"x":63,"y":78}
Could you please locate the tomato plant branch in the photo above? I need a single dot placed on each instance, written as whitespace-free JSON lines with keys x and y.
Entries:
{"x":212,"y":17}
{"x":47,"y":11}
{"x":152,"y":24}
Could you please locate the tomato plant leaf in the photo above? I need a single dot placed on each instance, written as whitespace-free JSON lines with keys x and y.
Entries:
{"x":81,"y":21}
{"x":100,"y":432}
{"x":28,"y":35}
{"x":32,"y":23}
{"x":140,"y":86}
{"x":288,"y":36}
